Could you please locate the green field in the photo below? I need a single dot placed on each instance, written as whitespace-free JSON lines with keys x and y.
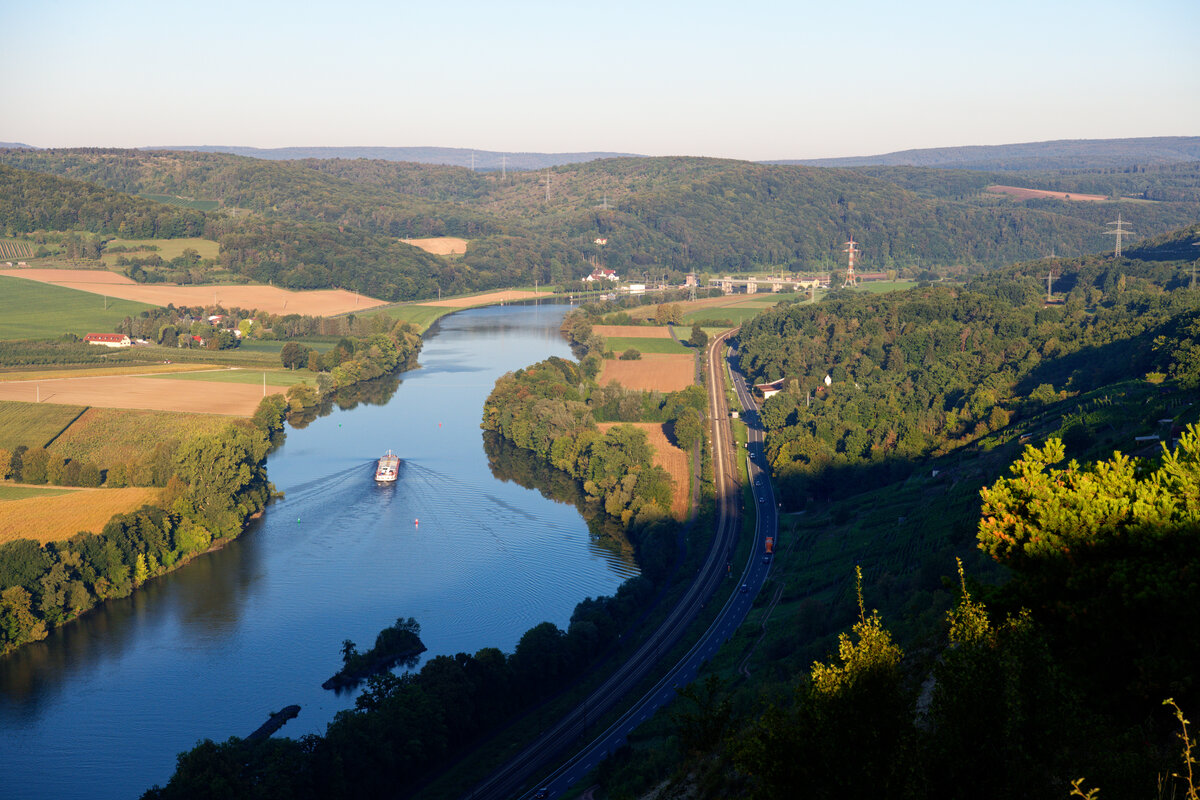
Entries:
{"x":421,"y":316}
{"x":275,"y":377}
{"x":21,"y":492}
{"x":167,"y":248}
{"x":33,"y":424}
{"x":33,"y":310}
{"x":619,"y":344}
{"x":882,"y":287}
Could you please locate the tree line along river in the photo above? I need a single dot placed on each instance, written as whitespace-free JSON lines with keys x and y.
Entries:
{"x":101,"y":708}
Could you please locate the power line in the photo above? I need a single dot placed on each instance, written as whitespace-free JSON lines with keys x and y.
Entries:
{"x":1118,"y":232}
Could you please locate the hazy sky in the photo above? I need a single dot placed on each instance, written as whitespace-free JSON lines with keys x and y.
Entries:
{"x":741,"y":79}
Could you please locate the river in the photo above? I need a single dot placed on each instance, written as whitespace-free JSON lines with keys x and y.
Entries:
{"x":101,"y":708}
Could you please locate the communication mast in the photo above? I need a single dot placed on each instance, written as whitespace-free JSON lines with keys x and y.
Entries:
{"x":851,"y":251}
{"x":1118,"y":232}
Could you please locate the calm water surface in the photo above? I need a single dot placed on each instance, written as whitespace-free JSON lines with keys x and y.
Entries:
{"x":102,"y":707}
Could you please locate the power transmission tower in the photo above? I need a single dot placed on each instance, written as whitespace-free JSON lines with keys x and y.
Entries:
{"x":472,"y":161}
{"x":503,"y":167}
{"x":1049,"y":285}
{"x":547,"y":186}
{"x":1118,"y":232}
{"x":851,"y":251}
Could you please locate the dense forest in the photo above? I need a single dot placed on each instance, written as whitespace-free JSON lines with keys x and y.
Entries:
{"x":658,"y":215}
{"x":921,"y":373}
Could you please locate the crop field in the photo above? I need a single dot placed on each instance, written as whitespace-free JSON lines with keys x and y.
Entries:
{"x":10,"y":249}
{"x":653,"y":373}
{"x":183,"y":202}
{"x":108,"y":436}
{"x":633,"y":331}
{"x":33,"y":310}
{"x":50,"y":519}
{"x":167,"y":248}
{"x":320,"y":303}
{"x":142,"y":392}
{"x":275,"y":377}
{"x":666,"y":455}
{"x":33,"y":424}
{"x":619,"y":344}
{"x":440,"y":245}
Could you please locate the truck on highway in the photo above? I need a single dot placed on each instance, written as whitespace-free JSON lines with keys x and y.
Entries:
{"x":770,"y":545}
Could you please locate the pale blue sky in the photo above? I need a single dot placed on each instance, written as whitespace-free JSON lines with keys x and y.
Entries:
{"x":752,"y":79}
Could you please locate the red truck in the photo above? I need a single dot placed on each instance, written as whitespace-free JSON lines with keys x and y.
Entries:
{"x":770,"y":545}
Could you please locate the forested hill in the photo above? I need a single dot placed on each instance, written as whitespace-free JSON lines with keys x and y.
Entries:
{"x":288,"y":253}
{"x":482,"y":160}
{"x":728,"y":216}
{"x":921,"y":373}
{"x":1055,"y":155}
{"x":657,"y":215}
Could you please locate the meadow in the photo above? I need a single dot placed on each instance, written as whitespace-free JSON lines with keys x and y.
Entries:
{"x":36,"y":310}
{"x":33,"y":424}
{"x":167,"y":248}
{"x":619,"y":344}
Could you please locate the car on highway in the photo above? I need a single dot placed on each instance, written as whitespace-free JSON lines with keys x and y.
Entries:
{"x":744,"y":589}
{"x":766,"y":559}
{"x":541,"y":794}
{"x":760,"y":499}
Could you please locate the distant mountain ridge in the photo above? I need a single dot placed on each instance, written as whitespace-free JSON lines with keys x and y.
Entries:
{"x":1059,"y":154}
{"x":483,"y":160}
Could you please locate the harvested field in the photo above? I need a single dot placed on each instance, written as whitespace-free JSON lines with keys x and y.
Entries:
{"x":50,"y":519}
{"x":632,"y":331}
{"x":33,"y":425}
{"x":108,"y":436}
{"x":654,"y":372}
{"x":485,"y":299}
{"x":440,"y":245}
{"x":140,"y":392}
{"x":670,"y":458}
{"x":321,"y":303}
{"x":1029,"y":194}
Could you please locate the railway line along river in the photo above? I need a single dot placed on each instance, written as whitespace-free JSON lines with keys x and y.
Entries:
{"x":101,"y":708}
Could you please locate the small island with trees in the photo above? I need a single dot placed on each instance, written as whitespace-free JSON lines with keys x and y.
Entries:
{"x":399,"y":643}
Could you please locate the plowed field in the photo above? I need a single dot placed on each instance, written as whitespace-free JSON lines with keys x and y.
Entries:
{"x":653,"y":372}
{"x":670,"y":458}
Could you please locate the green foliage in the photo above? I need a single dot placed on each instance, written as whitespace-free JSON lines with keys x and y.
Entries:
{"x":213,"y":483}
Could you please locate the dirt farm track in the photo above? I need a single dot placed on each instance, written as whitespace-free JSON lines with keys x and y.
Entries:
{"x":272,"y":299}
{"x":125,"y":391}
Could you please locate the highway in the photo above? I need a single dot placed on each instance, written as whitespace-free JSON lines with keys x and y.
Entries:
{"x":506,"y":781}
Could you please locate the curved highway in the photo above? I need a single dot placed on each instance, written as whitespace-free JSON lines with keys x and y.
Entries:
{"x":506,"y":781}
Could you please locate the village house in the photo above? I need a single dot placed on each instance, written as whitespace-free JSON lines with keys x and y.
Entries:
{"x":602,"y":274}
{"x":108,"y":339}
